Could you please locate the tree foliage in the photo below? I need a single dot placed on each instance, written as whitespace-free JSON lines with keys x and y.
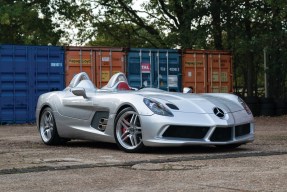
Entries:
{"x":27,"y":22}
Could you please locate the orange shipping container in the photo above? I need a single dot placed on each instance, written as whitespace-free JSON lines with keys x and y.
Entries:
{"x":219,"y":72}
{"x":194,"y":70}
{"x":100,"y":63}
{"x":207,"y":71}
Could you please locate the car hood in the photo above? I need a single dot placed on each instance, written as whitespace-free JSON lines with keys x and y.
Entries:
{"x":196,"y":103}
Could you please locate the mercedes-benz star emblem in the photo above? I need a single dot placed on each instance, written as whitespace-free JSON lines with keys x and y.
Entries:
{"x":218,"y":112}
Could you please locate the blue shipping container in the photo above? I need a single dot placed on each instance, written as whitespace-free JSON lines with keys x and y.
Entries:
{"x":158,"y":68}
{"x":25,"y":73}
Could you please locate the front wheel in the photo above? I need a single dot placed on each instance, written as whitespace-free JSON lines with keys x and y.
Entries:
{"x":48,"y":129}
{"x":128,"y":131}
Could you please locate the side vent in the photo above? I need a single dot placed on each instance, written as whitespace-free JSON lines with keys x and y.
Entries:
{"x":103,"y":124}
{"x":100,"y":120}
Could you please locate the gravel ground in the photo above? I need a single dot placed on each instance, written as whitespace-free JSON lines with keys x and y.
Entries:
{"x":28,"y":165}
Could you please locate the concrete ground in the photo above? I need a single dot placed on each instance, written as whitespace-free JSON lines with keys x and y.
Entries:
{"x":26,"y":164}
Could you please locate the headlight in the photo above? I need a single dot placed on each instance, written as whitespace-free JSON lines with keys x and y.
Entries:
{"x":157,"y":107}
{"x":244,"y":105}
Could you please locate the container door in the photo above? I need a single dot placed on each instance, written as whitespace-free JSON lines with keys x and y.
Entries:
{"x":158,"y":68}
{"x":79,"y":60}
{"x":140,"y":68}
{"x":47,"y":72}
{"x":194,"y":70}
{"x":104,"y":67}
{"x":168,"y":70}
{"x":14,"y":69}
{"x":146,"y":66}
{"x":108,"y":62}
{"x":219,"y":73}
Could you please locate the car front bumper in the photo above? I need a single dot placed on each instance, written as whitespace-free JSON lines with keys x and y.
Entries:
{"x":197,"y":129}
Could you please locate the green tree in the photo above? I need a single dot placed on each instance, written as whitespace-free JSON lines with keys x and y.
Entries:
{"x":159,"y":23}
{"x":246,"y":28}
{"x":27,"y":22}
{"x":109,"y":34}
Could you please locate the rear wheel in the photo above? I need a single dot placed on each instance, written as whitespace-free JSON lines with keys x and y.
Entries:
{"x":48,"y":128}
{"x":128,"y":132}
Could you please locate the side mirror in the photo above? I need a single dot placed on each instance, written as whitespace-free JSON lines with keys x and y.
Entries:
{"x":187,"y":90}
{"x":78,"y":91}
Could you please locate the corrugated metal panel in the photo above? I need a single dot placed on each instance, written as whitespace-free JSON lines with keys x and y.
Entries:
{"x":25,"y":73}
{"x":207,"y":71}
{"x":100,"y":63}
{"x":219,"y":72}
{"x":194,"y":65}
{"x":159,"y":68}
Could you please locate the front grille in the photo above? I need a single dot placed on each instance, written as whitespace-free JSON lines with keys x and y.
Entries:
{"x":241,"y":130}
{"x":222,"y":134}
{"x":190,"y":132}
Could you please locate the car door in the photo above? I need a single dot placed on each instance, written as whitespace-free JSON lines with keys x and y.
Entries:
{"x":76,"y":107}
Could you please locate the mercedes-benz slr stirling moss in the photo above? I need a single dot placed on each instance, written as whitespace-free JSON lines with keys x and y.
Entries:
{"x":135,"y":119}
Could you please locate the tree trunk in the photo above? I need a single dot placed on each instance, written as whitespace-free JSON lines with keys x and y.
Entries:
{"x":216,"y":23}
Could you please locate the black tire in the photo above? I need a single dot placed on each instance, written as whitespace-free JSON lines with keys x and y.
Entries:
{"x":127,"y":131}
{"x":48,"y":129}
{"x":230,"y":146}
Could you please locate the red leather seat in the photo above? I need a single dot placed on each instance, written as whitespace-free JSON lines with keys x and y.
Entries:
{"x":123,"y":86}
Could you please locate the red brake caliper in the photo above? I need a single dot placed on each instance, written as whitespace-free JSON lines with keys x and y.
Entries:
{"x":123,"y":128}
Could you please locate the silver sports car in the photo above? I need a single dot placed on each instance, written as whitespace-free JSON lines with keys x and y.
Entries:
{"x":135,"y":118}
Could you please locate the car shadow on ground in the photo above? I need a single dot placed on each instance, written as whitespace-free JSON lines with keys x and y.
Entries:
{"x":193,"y":149}
{"x":90,"y":144}
{"x":196,"y":149}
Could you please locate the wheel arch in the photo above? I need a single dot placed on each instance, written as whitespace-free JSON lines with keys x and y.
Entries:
{"x":41,"y":111}
{"x":126,"y":105}
{"x":123,"y":107}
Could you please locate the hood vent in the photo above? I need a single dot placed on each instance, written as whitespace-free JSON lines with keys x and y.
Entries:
{"x":172,"y":106}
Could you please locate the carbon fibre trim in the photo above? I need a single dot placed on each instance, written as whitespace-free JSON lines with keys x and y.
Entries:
{"x":100,"y":120}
